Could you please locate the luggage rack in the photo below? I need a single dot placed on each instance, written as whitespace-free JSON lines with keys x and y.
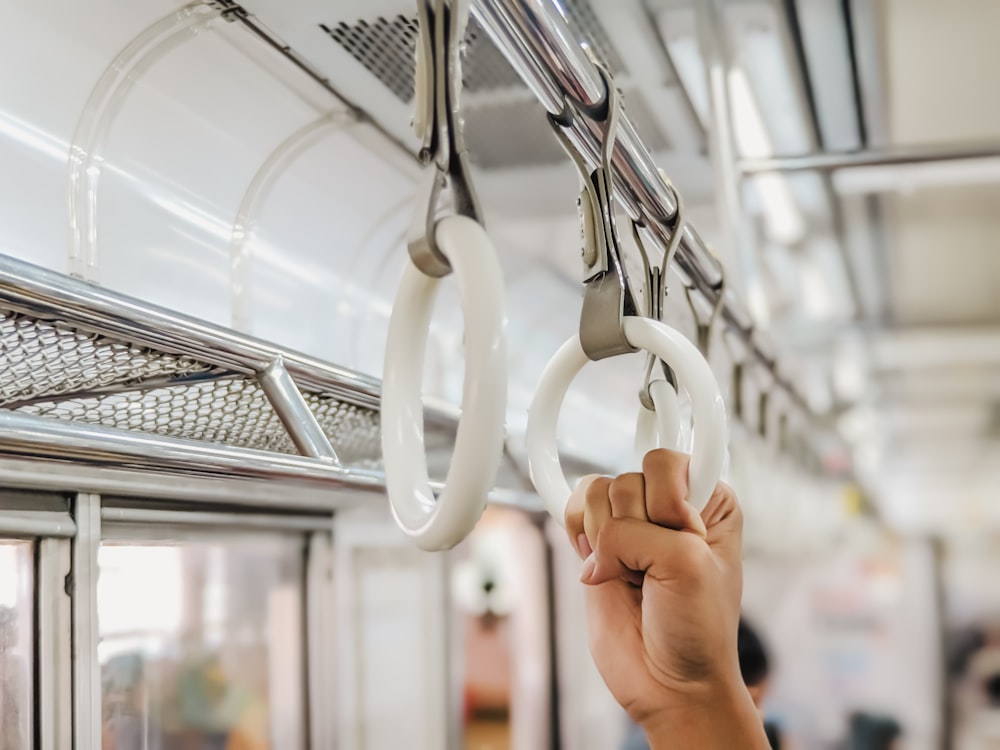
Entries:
{"x":95,"y":377}
{"x":55,"y":369}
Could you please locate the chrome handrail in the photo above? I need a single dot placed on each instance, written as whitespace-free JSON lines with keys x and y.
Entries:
{"x":47,"y":295}
{"x":48,"y":298}
{"x":537,"y":41}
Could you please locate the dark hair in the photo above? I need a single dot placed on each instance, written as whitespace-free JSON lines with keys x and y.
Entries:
{"x":993,"y":689}
{"x":754,"y":665}
{"x":871,"y":732}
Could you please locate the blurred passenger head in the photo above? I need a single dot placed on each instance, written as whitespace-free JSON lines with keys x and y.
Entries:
{"x":872,"y":732}
{"x":992,"y":690}
{"x":754,"y":665}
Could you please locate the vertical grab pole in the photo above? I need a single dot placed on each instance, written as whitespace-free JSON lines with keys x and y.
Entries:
{"x":85,"y":635}
{"x":54,"y":626}
{"x":320,"y":624}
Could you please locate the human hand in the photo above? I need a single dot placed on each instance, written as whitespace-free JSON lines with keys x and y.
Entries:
{"x":663,"y":602}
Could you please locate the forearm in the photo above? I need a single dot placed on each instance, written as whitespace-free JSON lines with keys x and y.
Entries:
{"x":716,"y":719}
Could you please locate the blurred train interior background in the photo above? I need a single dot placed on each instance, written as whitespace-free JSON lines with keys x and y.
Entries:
{"x":190,"y":193}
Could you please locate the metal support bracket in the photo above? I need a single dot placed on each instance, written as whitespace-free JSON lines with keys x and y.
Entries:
{"x":608,"y":296}
{"x":438,"y":122}
{"x":294,"y":413}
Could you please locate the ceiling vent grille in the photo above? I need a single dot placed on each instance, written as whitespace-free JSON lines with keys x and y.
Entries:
{"x":505,"y":127}
{"x":384,"y":46}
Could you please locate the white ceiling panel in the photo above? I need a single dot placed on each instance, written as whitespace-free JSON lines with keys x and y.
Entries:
{"x":945,"y":256}
{"x":941,"y":60}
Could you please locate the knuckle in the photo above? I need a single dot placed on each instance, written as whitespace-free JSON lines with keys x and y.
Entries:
{"x":626,"y":481}
{"x":666,"y":506}
{"x":662,"y":461}
{"x":626,"y":486}
{"x":598,"y":487}
{"x":610,"y":533}
{"x":597,"y":493}
{"x":655,"y":461}
{"x":697,"y":557}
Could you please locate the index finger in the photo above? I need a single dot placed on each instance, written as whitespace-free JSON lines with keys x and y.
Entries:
{"x":574,"y":514}
{"x":666,"y":474}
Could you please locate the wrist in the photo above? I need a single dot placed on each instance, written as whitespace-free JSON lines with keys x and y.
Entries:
{"x":707,"y":716}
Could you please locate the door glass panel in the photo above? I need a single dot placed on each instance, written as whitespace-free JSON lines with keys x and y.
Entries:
{"x":201,"y":644}
{"x":16,"y":644}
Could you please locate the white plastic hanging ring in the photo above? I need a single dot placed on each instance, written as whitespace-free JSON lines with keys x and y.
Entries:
{"x":659,"y":427}
{"x":693,"y":374}
{"x":442,"y":523}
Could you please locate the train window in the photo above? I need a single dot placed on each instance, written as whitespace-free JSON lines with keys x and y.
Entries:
{"x":201,"y":643}
{"x":16,"y":644}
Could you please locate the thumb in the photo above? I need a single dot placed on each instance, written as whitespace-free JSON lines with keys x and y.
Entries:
{"x":627,"y":545}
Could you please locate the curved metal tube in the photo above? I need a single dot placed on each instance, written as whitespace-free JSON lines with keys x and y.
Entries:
{"x":537,"y":41}
{"x":47,"y":295}
{"x":91,"y":445}
{"x":899,"y":156}
{"x":544,"y":35}
{"x":98,"y":115}
{"x":259,"y":188}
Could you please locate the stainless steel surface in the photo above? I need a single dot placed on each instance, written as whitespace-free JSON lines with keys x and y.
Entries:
{"x":294,"y":413}
{"x":45,"y":360}
{"x":607,"y":293}
{"x":38,"y":292}
{"x":78,"y":352}
{"x":54,"y":671}
{"x":232,"y":411}
{"x":35,"y":453}
{"x":442,"y":137}
{"x":503,"y":29}
{"x":228,"y":521}
{"x":83,"y":583}
{"x":25,"y":435}
{"x":55,"y":474}
{"x":545,"y":36}
{"x":871,"y":158}
{"x":320,"y":619}
{"x":36,"y":524}
{"x":536,"y":40}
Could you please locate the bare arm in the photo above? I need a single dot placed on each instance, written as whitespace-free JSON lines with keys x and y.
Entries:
{"x":663,"y":589}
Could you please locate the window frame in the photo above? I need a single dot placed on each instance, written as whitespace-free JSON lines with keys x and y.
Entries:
{"x":57,"y":508}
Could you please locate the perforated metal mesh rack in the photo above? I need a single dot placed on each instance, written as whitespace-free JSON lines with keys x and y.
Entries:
{"x":51,"y":369}
{"x":73,"y":352}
